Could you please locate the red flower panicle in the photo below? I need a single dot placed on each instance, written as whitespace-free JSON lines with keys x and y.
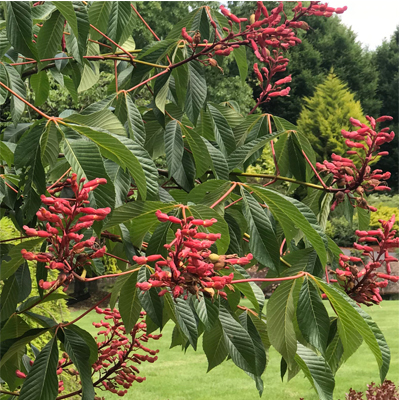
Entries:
{"x":190,"y":266}
{"x":62,"y":221}
{"x":120,"y":350}
{"x":364,"y":142}
{"x":362,"y":284}
{"x":268,"y":34}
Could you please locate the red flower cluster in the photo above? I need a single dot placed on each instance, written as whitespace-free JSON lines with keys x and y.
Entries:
{"x":265,"y":31}
{"x":119,"y":350}
{"x":360,"y":179}
{"x":362,"y":285}
{"x":190,"y":266}
{"x":64,"y":219}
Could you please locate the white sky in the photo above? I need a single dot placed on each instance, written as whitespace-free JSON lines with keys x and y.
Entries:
{"x":371,"y":20}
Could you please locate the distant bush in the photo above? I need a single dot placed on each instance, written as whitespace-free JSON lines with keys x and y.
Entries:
{"x":341,"y":232}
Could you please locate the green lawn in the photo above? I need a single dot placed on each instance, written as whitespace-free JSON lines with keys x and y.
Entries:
{"x":179,"y":376}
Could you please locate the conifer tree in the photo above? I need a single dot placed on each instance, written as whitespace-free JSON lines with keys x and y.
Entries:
{"x":326,"y":113}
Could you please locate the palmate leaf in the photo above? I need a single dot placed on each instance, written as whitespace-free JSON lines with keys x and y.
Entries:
{"x":50,"y":34}
{"x":290,"y":213}
{"x":85,"y":160}
{"x":215,"y":346}
{"x":129,"y":305}
{"x":41,"y":382}
{"x":174,"y":147}
{"x":263,"y":242}
{"x":17,"y":85}
{"x":151,"y":302}
{"x":119,"y":18}
{"x":241,"y":61}
{"x":9,"y":297}
{"x":312,"y":317}
{"x":129,"y":115}
{"x":280,"y":314}
{"x":317,"y":372}
{"x":79,"y":352}
{"x":384,"y":348}
{"x":104,"y":120}
{"x":199,"y":150}
{"x":99,"y":12}
{"x":196,"y":93}
{"x":19,"y":28}
{"x":239,"y":343}
{"x":111,"y":147}
{"x":219,"y":163}
{"x":186,"y":319}
{"x":41,"y":87}
{"x":351,"y":324}
{"x":207,"y":310}
{"x":222,"y":131}
{"x":49,"y":145}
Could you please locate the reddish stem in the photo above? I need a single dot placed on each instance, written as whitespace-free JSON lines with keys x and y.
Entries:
{"x":287,"y":278}
{"x":147,"y":80}
{"x":225,"y":195}
{"x":118,"y":258}
{"x":315,"y":171}
{"x":86,"y":312}
{"x":59,"y":179}
{"x":110,"y":275}
{"x":29,"y":104}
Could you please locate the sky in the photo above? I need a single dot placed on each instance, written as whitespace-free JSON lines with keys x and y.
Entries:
{"x":371,"y":20}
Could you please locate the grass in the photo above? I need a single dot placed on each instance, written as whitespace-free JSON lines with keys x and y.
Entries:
{"x":179,"y":376}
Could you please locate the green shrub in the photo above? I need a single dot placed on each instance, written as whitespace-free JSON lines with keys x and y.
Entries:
{"x":341,"y":231}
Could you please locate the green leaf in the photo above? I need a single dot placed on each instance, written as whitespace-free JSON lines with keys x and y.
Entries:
{"x":13,"y":328}
{"x":41,"y":87}
{"x":196,"y":93}
{"x":119,"y":18}
{"x":49,"y":145}
{"x":312,"y":316}
{"x":50,"y":34}
{"x":241,"y":61}
{"x":89,"y":340}
{"x":317,"y":372}
{"x":19,"y":28}
{"x":215,"y":346}
{"x":351,"y":323}
{"x":186,"y":320}
{"x":173,"y":146}
{"x":9,"y":297}
{"x":364,"y":217}
{"x":149,"y":299}
{"x":222,"y":132}
{"x":161,"y":88}
{"x":291,"y":213}
{"x":41,"y":381}
{"x":113,"y":148}
{"x":139,"y":214}
{"x":4,"y":43}
{"x":104,"y":120}
{"x":244,"y":152}
{"x":4,"y":93}
{"x":200,"y":211}
{"x":129,"y":305}
{"x":6,"y":154}
{"x":198,"y":149}
{"x":219,"y":163}
{"x":239,"y":343}
{"x":261,"y":358}
{"x":280,"y":315}
{"x":66,"y":8}
{"x":263,"y":242}
{"x":79,"y":352}
{"x":385,"y":351}
{"x":16,"y":259}
{"x":159,"y":238}
{"x":85,"y":159}
{"x":17,"y":85}
{"x":206,"y":310}
{"x":128,"y":113}
{"x":99,"y":12}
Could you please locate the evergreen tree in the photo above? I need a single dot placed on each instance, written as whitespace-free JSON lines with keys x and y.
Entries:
{"x":386,"y":59}
{"x":326,"y":113}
